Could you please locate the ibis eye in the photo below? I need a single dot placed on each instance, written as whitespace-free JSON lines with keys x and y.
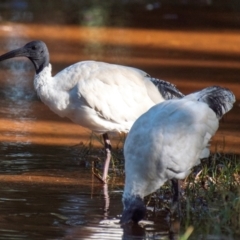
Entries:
{"x":33,"y":47}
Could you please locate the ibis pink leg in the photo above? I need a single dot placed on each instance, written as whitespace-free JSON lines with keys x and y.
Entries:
{"x":107,"y":200}
{"x":108,"y":148}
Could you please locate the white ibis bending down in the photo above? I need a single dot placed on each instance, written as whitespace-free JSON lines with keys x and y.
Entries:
{"x":100,"y":96}
{"x":167,"y":141}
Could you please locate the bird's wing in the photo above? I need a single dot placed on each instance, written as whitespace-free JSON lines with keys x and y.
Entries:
{"x":115,"y":92}
{"x":205,"y":108}
{"x":188,"y":132}
{"x":167,"y":89}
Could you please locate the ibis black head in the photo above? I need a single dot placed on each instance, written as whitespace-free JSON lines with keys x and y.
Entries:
{"x":134,"y":210}
{"x":36,"y":51}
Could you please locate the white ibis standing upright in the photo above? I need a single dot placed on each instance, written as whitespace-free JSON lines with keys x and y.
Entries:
{"x":96,"y":95}
{"x":167,"y":141}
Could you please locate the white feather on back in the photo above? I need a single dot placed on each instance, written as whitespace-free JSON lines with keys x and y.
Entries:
{"x":165,"y":143}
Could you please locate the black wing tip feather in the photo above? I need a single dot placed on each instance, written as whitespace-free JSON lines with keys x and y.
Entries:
{"x":219,"y":99}
{"x":167,"y":89}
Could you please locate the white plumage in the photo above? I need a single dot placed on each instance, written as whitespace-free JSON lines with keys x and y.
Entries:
{"x":100,"y":96}
{"x":167,"y":141}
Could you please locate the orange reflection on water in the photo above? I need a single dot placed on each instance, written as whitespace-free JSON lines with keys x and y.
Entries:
{"x":190,"y":59}
{"x":182,"y":40}
{"x":42,"y":132}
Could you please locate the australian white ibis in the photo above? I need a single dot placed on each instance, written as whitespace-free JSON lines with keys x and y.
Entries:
{"x":96,"y":95}
{"x":167,"y":141}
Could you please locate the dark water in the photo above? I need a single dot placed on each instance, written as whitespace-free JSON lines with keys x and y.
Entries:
{"x":47,"y":190}
{"x":45,"y":194}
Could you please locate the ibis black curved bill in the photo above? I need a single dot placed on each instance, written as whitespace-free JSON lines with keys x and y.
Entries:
{"x":20,"y":52}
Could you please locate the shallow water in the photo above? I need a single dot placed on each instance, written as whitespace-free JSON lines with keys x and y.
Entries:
{"x":46,"y":191}
{"x":45,"y":194}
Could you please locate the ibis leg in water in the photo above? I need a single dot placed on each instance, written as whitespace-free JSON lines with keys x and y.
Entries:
{"x":99,"y":96}
{"x":107,"y":200}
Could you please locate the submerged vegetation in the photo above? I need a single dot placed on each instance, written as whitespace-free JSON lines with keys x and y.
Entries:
{"x":210,"y":199}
